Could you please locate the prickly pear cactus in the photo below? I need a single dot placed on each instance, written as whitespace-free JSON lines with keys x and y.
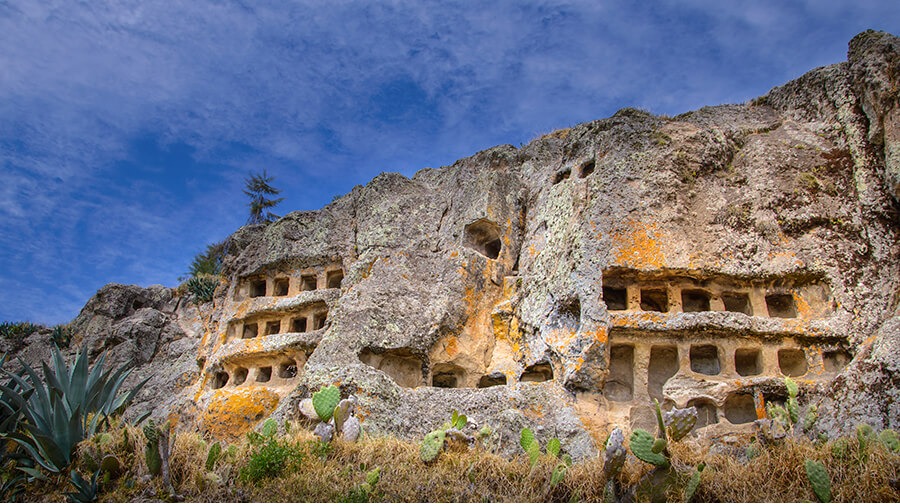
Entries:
{"x":325,"y":400}
{"x":432,"y":445}
{"x":659,"y":445}
{"x":793,"y":389}
{"x":341,"y":414}
{"x":111,"y":465}
{"x":888,"y":438}
{"x":530,"y":445}
{"x":151,"y":449}
{"x":818,"y":478}
{"x":642,"y":447}
{"x":553,"y":447}
{"x":324,"y":431}
{"x":614,"y":456}
{"x":215,"y":451}
{"x":691,"y":488}
{"x":680,"y":421}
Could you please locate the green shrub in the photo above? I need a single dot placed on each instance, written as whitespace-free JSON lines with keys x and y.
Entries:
{"x":203,"y":287}
{"x":16,"y":332}
{"x":62,"y":335}
{"x":270,"y":460}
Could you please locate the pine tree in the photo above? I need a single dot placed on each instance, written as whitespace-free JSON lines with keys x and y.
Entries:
{"x":259,"y":190}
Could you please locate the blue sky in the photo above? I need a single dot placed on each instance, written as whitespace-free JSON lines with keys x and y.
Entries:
{"x":127,"y":128}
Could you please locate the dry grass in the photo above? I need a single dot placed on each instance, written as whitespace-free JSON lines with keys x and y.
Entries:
{"x":334,"y":474}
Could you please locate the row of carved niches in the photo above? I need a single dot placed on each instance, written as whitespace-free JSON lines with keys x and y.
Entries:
{"x":641,"y":365}
{"x":272,"y":371}
{"x":281,"y":285}
{"x":306,"y":318}
{"x":408,"y":370}
{"x":790,"y":297}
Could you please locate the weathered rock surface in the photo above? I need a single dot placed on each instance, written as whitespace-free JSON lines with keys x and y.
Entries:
{"x":564,"y":285}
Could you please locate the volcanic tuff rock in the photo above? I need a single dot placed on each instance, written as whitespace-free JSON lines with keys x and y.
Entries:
{"x":564,"y":285}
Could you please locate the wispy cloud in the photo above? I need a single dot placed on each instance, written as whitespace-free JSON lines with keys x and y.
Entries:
{"x":126,"y":127}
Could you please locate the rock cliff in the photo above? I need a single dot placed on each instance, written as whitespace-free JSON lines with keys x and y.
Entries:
{"x":563,"y":285}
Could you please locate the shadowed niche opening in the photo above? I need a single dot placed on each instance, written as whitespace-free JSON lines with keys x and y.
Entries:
{"x":240,"y":375}
{"x":619,"y":384}
{"x":400,"y":364}
{"x":264,"y":374}
{"x":706,"y":412}
{"x":287,"y":369}
{"x":792,"y":361}
{"x":663,"y":365}
{"x":740,"y":408}
{"x":483,"y":236}
{"x":586,"y":169}
{"x":835,"y":361}
{"x":568,"y":314}
{"x":308,"y":282}
{"x":748,"y":361}
{"x":298,"y":324}
{"x":320,"y":319}
{"x":705,"y":359}
{"x":447,"y":376}
{"x":492,"y":380}
{"x":561,"y":175}
{"x":334,"y":279}
{"x":781,"y":306}
{"x":694,"y":300}
{"x":539,"y":372}
{"x":220,"y":379}
{"x":250,"y":331}
{"x":615,"y":298}
{"x":654,"y":300}
{"x":273,"y":327}
{"x":257,"y":288}
{"x":281,"y":286}
{"x":737,"y":302}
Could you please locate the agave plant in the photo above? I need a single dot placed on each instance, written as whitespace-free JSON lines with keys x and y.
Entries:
{"x":63,"y":408}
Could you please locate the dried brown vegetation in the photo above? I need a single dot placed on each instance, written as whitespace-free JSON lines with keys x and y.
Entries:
{"x":334,"y":473}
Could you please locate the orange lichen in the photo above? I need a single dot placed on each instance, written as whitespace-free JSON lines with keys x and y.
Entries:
{"x":803,"y":308}
{"x":638,"y":247}
{"x":232,"y":414}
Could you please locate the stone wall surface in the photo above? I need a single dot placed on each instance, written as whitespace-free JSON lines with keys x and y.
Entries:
{"x":566,"y":284}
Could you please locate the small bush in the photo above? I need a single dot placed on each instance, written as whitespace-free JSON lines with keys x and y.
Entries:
{"x":203,"y":287}
{"x":16,"y":332}
{"x":270,"y":460}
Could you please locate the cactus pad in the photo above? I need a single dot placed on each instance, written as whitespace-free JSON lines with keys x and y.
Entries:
{"x":888,"y":438}
{"x":341,"y":414}
{"x":432,"y":445}
{"x":553,"y":447}
{"x":793,"y":409}
{"x":691,"y":488}
{"x":325,"y":400}
{"x":642,"y":447}
{"x":659,"y":445}
{"x":215,"y":451}
{"x":526,"y":439}
{"x":818,"y":478}
{"x":269,"y":428}
{"x":111,"y":465}
{"x":351,"y":429}
{"x":679,"y":422}
{"x":324,"y":431}
{"x":614,"y":456}
{"x":792,"y":388}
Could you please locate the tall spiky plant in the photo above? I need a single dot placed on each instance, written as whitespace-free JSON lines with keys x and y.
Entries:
{"x":259,"y":189}
{"x":64,"y":407}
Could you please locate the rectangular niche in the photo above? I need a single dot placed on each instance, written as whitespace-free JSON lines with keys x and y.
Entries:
{"x":792,"y":361}
{"x":705,"y":359}
{"x":781,"y":306}
{"x":748,"y":361}
{"x":654,"y":300}
{"x":737,"y":302}
{"x":250,"y":331}
{"x":319,"y":320}
{"x":835,"y":361}
{"x":273,"y":327}
{"x":298,"y":324}
{"x":287,"y":369}
{"x":258,"y":288}
{"x":334,"y":279}
{"x":619,"y":385}
{"x":281,"y":286}
{"x":264,"y":374}
{"x":694,"y":300}
{"x":308,"y":282}
{"x":663,"y":365}
{"x":615,"y":298}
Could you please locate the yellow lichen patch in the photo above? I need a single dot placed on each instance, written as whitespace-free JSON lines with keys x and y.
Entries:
{"x":232,"y":414}
{"x":803,"y":309}
{"x":638,"y":247}
{"x":452,"y":346}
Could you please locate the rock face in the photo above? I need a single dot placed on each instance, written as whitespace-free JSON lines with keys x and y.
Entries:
{"x":562,"y":286}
